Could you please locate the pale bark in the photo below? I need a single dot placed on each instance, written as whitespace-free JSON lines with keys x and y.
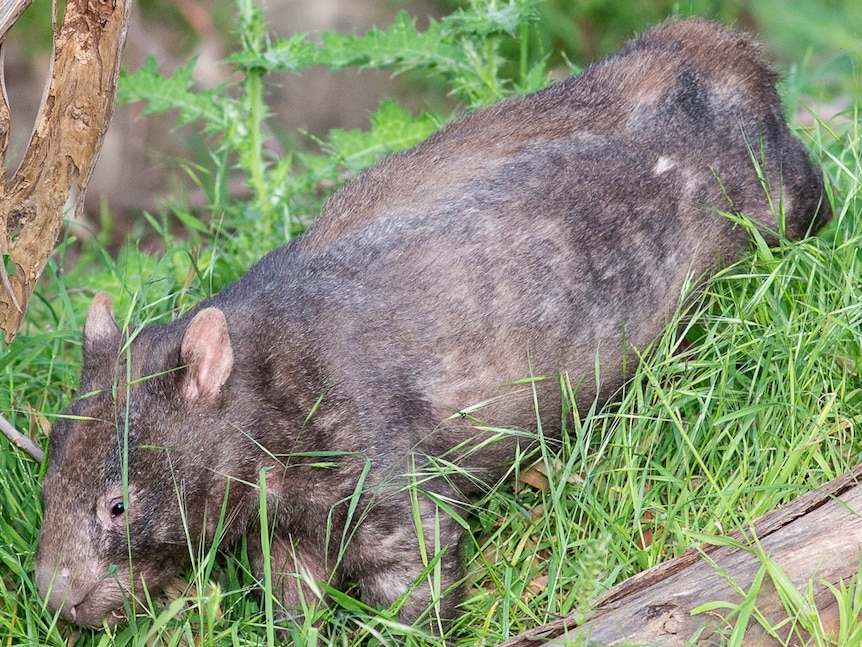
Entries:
{"x":814,"y":540}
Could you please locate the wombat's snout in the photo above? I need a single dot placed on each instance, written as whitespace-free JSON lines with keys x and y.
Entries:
{"x":85,"y":605}
{"x":54,"y":589}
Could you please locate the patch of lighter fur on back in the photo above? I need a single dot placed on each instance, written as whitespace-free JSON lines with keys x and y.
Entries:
{"x":663,"y":165}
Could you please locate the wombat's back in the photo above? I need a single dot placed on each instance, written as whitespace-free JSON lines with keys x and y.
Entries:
{"x":689,"y":94}
{"x":558,"y":228}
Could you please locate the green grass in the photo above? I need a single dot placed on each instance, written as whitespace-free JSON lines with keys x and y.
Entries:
{"x":761,"y":406}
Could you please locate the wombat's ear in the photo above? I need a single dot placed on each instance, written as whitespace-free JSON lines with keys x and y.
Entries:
{"x":100,"y":328}
{"x":207,"y":353}
{"x":101,"y":344}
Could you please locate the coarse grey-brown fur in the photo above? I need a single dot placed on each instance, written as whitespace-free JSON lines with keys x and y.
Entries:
{"x":521,"y":240}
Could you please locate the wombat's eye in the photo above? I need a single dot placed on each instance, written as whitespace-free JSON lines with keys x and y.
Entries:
{"x":117,"y":508}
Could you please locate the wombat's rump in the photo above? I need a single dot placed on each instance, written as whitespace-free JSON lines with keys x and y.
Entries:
{"x":526,"y":239}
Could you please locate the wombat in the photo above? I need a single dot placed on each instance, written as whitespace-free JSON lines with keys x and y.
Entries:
{"x":369,"y":368}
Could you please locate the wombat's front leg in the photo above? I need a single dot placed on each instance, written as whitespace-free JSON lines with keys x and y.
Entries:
{"x":297,"y":567}
{"x":427,"y":582}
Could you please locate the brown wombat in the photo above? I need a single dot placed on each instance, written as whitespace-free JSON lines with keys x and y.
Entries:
{"x":369,"y":366}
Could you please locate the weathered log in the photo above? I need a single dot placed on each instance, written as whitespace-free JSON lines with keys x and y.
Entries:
{"x":814,"y":540}
{"x":74,"y":115}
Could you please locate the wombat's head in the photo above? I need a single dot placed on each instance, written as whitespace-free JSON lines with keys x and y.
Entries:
{"x":131,"y":464}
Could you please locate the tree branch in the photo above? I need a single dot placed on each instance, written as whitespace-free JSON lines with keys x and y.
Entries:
{"x":65,"y":144}
{"x":21,"y":441}
{"x":9,"y":12}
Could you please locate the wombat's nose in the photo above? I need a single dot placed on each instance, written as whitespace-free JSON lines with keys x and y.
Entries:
{"x":54,"y":589}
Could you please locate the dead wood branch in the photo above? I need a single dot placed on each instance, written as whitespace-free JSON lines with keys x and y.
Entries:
{"x":9,"y":12}
{"x":815,"y":539}
{"x":66,"y":140}
{"x":21,"y":441}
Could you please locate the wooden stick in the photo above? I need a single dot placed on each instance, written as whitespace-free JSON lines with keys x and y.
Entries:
{"x":21,"y":441}
{"x":10,"y":10}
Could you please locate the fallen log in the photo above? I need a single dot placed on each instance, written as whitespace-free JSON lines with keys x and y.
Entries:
{"x":816,"y":541}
